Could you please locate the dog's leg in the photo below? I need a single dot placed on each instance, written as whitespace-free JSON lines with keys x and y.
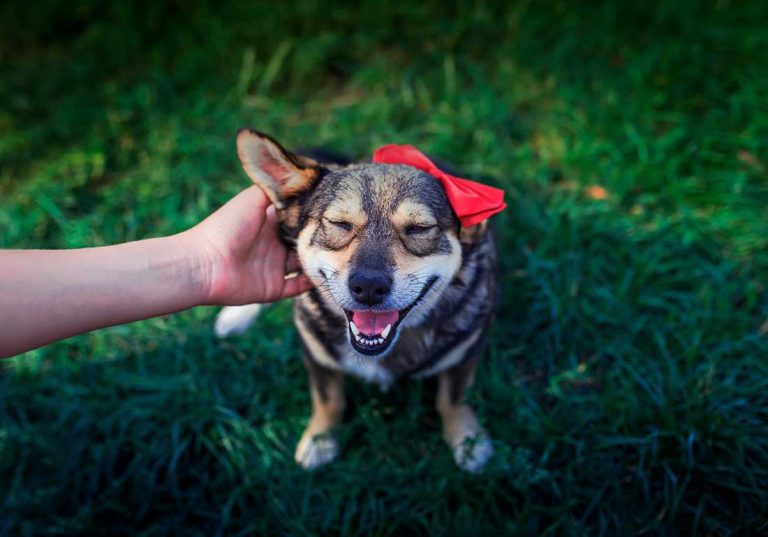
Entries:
{"x":317,"y":447}
{"x":461,"y":429}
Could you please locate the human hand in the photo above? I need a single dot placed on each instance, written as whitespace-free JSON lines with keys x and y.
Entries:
{"x":240,"y":255}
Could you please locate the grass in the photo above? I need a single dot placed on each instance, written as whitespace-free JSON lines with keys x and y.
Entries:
{"x":626,"y":382}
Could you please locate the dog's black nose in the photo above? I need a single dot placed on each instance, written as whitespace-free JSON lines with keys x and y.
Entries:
{"x":370,"y":287}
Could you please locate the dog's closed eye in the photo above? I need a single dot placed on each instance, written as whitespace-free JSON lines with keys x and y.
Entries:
{"x":340,"y":224}
{"x":419,"y":229}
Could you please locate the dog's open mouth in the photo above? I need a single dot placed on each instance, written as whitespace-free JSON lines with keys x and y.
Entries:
{"x":372,"y":332}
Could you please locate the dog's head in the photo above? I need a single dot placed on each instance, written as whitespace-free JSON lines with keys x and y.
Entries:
{"x":380,"y":241}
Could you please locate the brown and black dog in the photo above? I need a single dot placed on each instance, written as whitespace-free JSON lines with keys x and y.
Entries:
{"x":401,"y":289}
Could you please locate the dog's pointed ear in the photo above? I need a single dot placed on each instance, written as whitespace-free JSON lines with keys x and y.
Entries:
{"x":278,"y":172}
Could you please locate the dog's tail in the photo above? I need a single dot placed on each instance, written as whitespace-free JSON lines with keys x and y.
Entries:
{"x":234,"y":320}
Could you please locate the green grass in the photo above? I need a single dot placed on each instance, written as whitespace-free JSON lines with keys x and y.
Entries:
{"x":626,"y":383}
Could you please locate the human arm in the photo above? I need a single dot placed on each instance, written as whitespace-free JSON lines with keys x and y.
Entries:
{"x":232,"y":257}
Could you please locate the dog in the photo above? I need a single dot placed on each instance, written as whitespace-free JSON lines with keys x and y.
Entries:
{"x":401,"y":289}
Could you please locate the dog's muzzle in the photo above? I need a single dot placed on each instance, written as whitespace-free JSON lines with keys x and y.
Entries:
{"x":372,"y":332}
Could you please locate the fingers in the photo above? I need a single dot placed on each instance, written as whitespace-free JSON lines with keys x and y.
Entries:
{"x":269,"y":230}
{"x":296,"y":286}
{"x":273,"y":261}
{"x":252,"y":199}
{"x":270,"y":253}
{"x":250,"y":204}
{"x":292,"y":264}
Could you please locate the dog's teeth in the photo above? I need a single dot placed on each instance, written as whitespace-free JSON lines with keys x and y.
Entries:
{"x":385,"y":333}
{"x":369,"y":341}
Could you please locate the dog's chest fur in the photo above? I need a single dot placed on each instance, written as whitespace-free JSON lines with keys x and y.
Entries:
{"x":452,"y":329}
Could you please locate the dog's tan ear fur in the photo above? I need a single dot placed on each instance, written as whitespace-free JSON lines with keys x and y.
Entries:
{"x":473,"y":234}
{"x":278,"y":172}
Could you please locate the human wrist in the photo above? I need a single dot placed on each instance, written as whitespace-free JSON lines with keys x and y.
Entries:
{"x":195,"y":266}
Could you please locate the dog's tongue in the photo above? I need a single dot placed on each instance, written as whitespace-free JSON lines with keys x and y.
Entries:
{"x":373,"y":323}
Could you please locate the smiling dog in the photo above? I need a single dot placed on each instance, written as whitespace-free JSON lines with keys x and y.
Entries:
{"x":401,"y":289}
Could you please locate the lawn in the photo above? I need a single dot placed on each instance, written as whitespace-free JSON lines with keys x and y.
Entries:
{"x":626,"y":381}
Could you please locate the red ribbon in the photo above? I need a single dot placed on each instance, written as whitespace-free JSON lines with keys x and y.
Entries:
{"x":471,"y":201}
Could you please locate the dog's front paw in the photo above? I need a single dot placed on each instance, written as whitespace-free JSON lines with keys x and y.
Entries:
{"x":472,"y":453}
{"x":315,"y":451}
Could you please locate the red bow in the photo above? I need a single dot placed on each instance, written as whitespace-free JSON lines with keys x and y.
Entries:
{"x":472,"y":202}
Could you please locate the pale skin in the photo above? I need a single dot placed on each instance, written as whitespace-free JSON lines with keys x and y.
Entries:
{"x":233,"y":257}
